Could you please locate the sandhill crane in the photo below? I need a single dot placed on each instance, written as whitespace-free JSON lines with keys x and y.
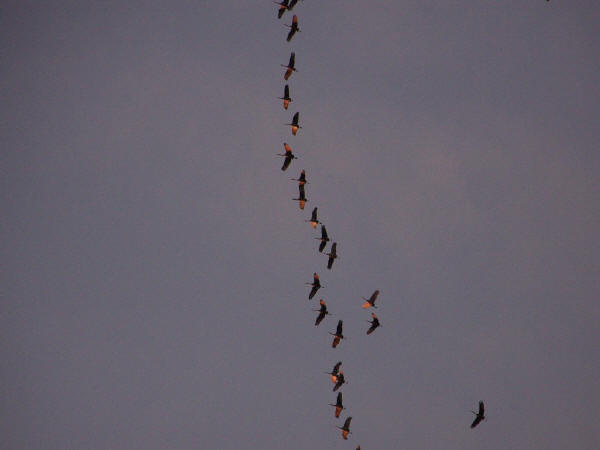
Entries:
{"x":479,"y":416}
{"x":338,"y":405}
{"x":293,"y":28}
{"x":286,"y":97}
{"x":301,"y":196}
{"x":337,"y":336}
{"x":302,"y":178}
{"x":346,"y":428}
{"x":370,"y":301}
{"x":316,"y":284}
{"x":340,"y":379}
{"x":374,"y":323}
{"x":313,"y":218}
{"x":332,"y":255}
{"x":334,"y":373}
{"x":290,"y":67}
{"x":324,"y":238}
{"x":322,"y":312}
{"x":283,"y":6}
{"x":288,"y":156}
{"x":294,"y":124}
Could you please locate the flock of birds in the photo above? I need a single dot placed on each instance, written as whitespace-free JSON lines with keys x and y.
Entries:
{"x":337,"y":375}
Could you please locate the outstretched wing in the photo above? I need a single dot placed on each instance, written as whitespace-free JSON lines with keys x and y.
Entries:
{"x":340,"y":325}
{"x":320,"y":318}
{"x":476,"y":422}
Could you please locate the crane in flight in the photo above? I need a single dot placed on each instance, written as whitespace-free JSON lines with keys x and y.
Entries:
{"x":286,"y":97}
{"x":346,"y":428}
{"x":370,"y":301}
{"x":324,"y":238}
{"x":302,"y":178}
{"x":294,"y":124}
{"x":288,"y":156}
{"x":340,"y":380}
{"x":322,"y":312}
{"x":293,"y":28}
{"x":316,"y":284}
{"x":332,"y":255}
{"x":290,"y":68}
{"x":313,"y":218}
{"x":334,"y":373}
{"x":338,"y":405}
{"x":479,"y":415}
{"x":374,"y":323}
{"x":283,"y":7}
{"x":301,"y":196}
{"x":337,"y":336}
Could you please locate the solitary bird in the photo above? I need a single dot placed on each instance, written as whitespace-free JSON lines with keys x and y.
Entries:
{"x":324,"y":238}
{"x":337,"y":336}
{"x":293,"y":28}
{"x":301,"y":196}
{"x":338,"y":405}
{"x":322,"y":312}
{"x":316,"y":284}
{"x":332,"y":255}
{"x":479,"y":416}
{"x":288,"y":156}
{"x":370,"y":301}
{"x":374,"y":323}
{"x":283,"y":6}
{"x":340,"y":380}
{"x":334,"y":373}
{"x":313,"y":218}
{"x":302,"y":178}
{"x":286,"y":97}
{"x":294,"y":124}
{"x":290,"y":67}
{"x":346,"y":428}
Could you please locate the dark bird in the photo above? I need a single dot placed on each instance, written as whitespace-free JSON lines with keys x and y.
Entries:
{"x":290,"y":67}
{"x":283,"y":6}
{"x":374,"y":323}
{"x":338,"y":405}
{"x":294,"y":124}
{"x":313,"y":218}
{"x":288,"y":156}
{"x":340,"y":379}
{"x":370,"y":301}
{"x":301,"y":196}
{"x":332,"y":255}
{"x":302,"y":178}
{"x":346,"y":428}
{"x":337,"y":336}
{"x":479,"y":416}
{"x":324,"y":238}
{"x":322,"y":313}
{"x":334,"y":373}
{"x":286,"y":97}
{"x":292,"y":4}
{"x":316,"y":284}
{"x":293,"y":28}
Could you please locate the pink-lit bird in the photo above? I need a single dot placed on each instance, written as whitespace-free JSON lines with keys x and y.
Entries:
{"x":370,"y":301}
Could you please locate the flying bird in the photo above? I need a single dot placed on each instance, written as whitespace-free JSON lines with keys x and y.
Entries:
{"x":346,"y":428}
{"x":324,"y":238}
{"x":288,"y":156}
{"x":337,"y":336}
{"x":322,"y":312}
{"x":301,"y":196}
{"x":479,"y":416}
{"x":293,"y":28}
{"x":340,"y":379}
{"x":283,"y":6}
{"x":313,"y":218}
{"x":286,"y":97}
{"x":338,"y":405}
{"x":302,"y":178}
{"x":294,"y":124}
{"x":374,"y":323}
{"x":290,"y":67}
{"x":334,"y":373}
{"x":332,"y":255}
{"x":292,"y":4}
{"x":316,"y":284}
{"x":370,"y":301}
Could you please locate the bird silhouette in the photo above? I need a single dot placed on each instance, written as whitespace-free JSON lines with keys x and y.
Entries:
{"x":313,"y":218}
{"x":302,"y":178}
{"x":283,"y":7}
{"x":324,"y":238}
{"x":370,"y":301}
{"x":322,"y":312}
{"x":332,"y":255}
{"x":374,"y":323}
{"x":293,"y":28}
{"x":301,"y":196}
{"x":337,"y":336}
{"x":294,"y":124}
{"x":290,"y":68}
{"x":316,"y":284}
{"x":346,"y":428}
{"x":479,"y":416}
{"x":338,"y":405}
{"x":334,"y":373}
{"x":340,"y":379}
{"x":288,"y":156}
{"x":286,"y":97}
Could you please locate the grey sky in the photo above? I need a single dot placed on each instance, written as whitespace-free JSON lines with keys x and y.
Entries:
{"x":154,"y":263}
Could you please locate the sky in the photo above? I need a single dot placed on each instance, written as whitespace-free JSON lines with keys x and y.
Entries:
{"x":154,"y":263}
